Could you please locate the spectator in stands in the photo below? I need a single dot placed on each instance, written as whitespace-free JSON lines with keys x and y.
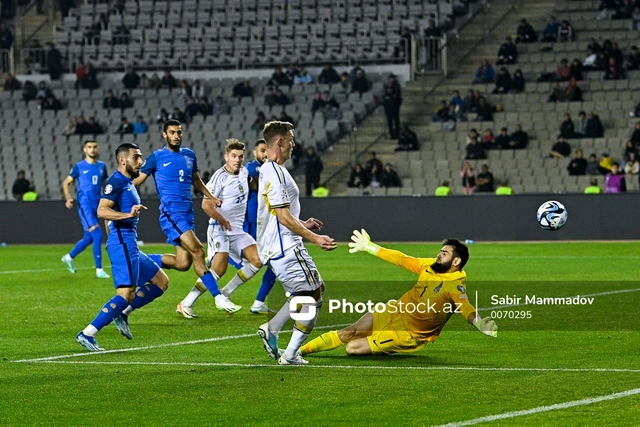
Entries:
{"x":125,"y":127}
{"x":563,"y":73}
{"x":635,"y":135}
{"x":485,"y":73}
{"x":484,"y":180}
{"x":502,"y":140}
{"x":456,"y":101}
{"x":624,"y":10}
{"x":303,"y":77}
{"x":330,"y":112}
{"x":43,"y":91}
{"x":312,"y":169}
{"x":177,"y":114}
{"x":110,"y":102}
{"x":197,"y":90}
{"x":390,"y":177}
{"x":183,"y":91}
{"x":578,"y":165}
{"x":284,"y":117}
{"x":317,"y":103}
{"x":472,"y":136}
{"x":269,"y":97}
{"x":604,"y":166}
{"x":81,"y":75}
{"x":441,"y":114}
{"x":560,"y":149}
{"x":488,"y":139}
{"x":50,"y":103}
{"x":485,"y":113}
{"x":292,"y":72}
{"x":550,"y":33}
{"x":155,"y":82}
{"x":162,"y":117}
{"x":280,"y":98}
{"x":91,"y":80}
{"x":504,"y":189}
{"x":54,"y":62}
{"x":259,"y":122}
{"x":93,"y":127}
{"x":360,"y":84}
{"x":358,"y":177}
{"x":140,"y":126}
{"x":517,"y":82}
{"x":575,"y":69}
{"x":20,"y":186}
{"x":124,"y":101}
{"x":593,"y":166}
{"x":243,"y":90}
{"x":70,"y":128}
{"x":565,"y":32}
{"x":615,"y":181}
{"x":635,"y":19}
{"x":580,"y":127}
{"x":345,"y":83}
{"x":326,"y":97}
{"x":593,"y":61}
{"x":571,"y":93}
{"x":207,"y":109}
{"x":594,"y":128}
{"x":613,"y":71}
{"x":407,"y":140}
{"x":373,"y":163}
{"x":192,"y":109}
{"x":629,"y":148}
{"x":519,"y":139}
{"x":328,"y":75}
{"x":82,"y":127}
{"x":631,"y":166}
{"x":353,"y":74}
{"x":131,"y":79}
{"x":526,"y":33}
{"x":474,"y":150}
{"x":567,"y":129}
{"x":633,"y":61}
{"x":168,"y":81}
{"x":503,"y":81}
{"x":507,"y":53}
{"x":278,"y":78}
{"x":468,"y":177}
{"x":11,"y":83}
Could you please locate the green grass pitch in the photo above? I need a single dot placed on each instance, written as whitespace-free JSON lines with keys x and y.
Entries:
{"x":213,"y":370}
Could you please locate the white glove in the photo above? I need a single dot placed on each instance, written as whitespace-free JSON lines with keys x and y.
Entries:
{"x":361,"y":242}
{"x":488,"y":327}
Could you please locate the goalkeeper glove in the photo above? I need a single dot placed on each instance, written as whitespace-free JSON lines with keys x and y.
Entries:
{"x":487,"y":326}
{"x":361,"y":242}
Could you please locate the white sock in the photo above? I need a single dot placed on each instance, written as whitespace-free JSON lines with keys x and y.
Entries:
{"x":67,"y":257}
{"x":90,"y":331}
{"x":297,"y":338}
{"x":244,"y":274}
{"x":257,"y":304}
{"x":194,"y":294}
{"x":127,"y":310}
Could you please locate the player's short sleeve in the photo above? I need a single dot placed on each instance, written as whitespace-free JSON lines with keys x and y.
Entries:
{"x":215,"y":185}
{"x":74,"y":172}
{"x":458,"y":293}
{"x":112,"y":190}
{"x":253,"y":169}
{"x":149,"y":166}
{"x":195,"y":163}
{"x":275,"y":186}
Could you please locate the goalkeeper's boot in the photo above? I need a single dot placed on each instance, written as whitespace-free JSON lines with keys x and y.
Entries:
{"x":88,"y":342}
{"x":122,"y":325}
{"x":186,"y":311}
{"x":224,"y":304}
{"x":269,"y":341}
{"x":69,"y":262}
{"x":101,"y":274}
{"x":297,"y":360}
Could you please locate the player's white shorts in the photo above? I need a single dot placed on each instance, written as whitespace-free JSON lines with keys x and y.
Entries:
{"x":297,"y":271}
{"x":232,"y":244}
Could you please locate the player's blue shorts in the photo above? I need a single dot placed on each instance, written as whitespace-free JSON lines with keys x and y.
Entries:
{"x":125,"y":264}
{"x":148,"y":269}
{"x":251,"y":228}
{"x":174,"y":224}
{"x":88,"y":213}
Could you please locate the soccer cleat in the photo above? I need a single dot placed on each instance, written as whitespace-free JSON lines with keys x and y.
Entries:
{"x":262,"y":309}
{"x":69,"y":262}
{"x":186,"y":311}
{"x":122,"y":325}
{"x":269,"y":341}
{"x":101,"y":274}
{"x":88,"y":342}
{"x":224,"y":304}
{"x":297,"y":360}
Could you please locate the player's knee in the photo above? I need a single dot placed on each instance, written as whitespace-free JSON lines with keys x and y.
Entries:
{"x":352,"y":349}
{"x":182,"y":263}
{"x":161,"y":281}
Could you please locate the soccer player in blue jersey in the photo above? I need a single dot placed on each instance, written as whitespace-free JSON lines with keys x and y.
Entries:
{"x":90,"y":174}
{"x":175,"y":170}
{"x":120,"y":206}
{"x":251,"y":223}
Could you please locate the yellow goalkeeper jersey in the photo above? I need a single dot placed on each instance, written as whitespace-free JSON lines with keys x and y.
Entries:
{"x":427,"y":306}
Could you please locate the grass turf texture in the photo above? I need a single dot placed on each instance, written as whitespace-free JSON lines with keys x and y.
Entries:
{"x":231,"y":381}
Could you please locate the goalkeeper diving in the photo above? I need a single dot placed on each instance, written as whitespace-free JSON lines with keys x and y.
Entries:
{"x":440,"y":287}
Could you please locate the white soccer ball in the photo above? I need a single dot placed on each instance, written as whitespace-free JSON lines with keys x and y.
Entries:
{"x":552,"y":215}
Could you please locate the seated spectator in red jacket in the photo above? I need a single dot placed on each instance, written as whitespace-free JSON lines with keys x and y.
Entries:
{"x":563,"y":73}
{"x":488,"y":139}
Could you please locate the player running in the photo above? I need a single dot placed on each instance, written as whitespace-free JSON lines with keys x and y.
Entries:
{"x":225,"y":235}
{"x":175,"y":170}
{"x":90,"y":174}
{"x":439,"y":293}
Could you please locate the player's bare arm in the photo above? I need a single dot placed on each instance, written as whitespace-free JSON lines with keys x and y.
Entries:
{"x":67,"y":193}
{"x":313,"y":224}
{"x":298,"y":227}
{"x":140,"y":179}
{"x":202,"y":188}
{"x":209,"y":207}
{"x":106,"y":211}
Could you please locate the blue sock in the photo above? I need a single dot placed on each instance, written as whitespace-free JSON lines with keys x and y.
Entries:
{"x":112,"y":309}
{"x":211,"y":284}
{"x":145,"y":295}
{"x":157,"y":258}
{"x":96,"y":235}
{"x":268,"y":280}
{"x":81,"y":245}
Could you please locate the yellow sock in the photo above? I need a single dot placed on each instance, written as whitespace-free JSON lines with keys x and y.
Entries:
{"x":324,"y":342}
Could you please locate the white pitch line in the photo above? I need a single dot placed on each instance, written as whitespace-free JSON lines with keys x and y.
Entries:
{"x":541,"y":409}
{"x":42,"y":270}
{"x":620,"y":291}
{"x":365,"y":367}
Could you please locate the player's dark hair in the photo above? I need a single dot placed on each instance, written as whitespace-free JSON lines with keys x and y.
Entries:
{"x":275,"y":129}
{"x":123,"y":149}
{"x":233,"y":144}
{"x":170,"y":122}
{"x":460,"y":250}
{"x":88,"y":141}
{"x":260,"y":141}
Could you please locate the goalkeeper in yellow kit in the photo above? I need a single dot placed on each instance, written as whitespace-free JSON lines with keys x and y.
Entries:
{"x":418,"y":317}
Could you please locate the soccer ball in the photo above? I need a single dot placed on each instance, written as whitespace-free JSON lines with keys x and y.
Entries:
{"x":552,"y":215}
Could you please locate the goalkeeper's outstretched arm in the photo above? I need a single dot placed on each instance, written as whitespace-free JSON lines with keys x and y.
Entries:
{"x":361,"y":242}
{"x":485,"y":325}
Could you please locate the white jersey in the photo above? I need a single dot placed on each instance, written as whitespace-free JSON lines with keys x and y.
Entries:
{"x":276,"y":189}
{"x":233,"y":190}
